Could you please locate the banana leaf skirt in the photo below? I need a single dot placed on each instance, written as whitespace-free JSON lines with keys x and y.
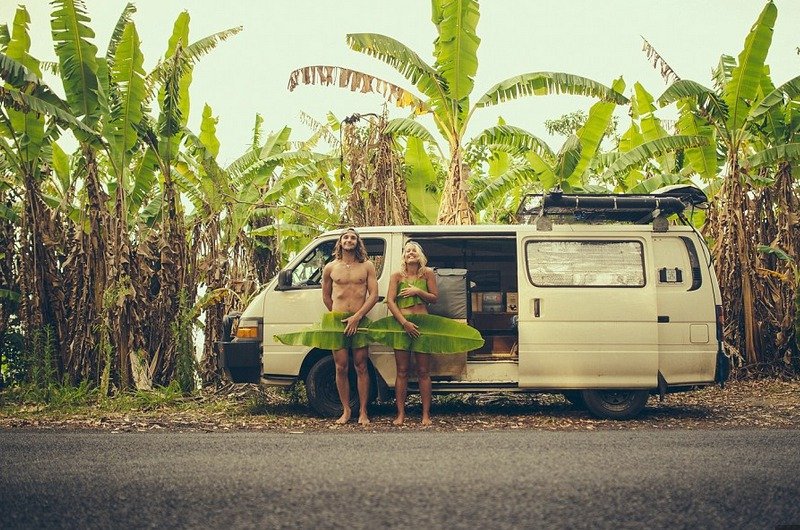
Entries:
{"x":437,"y":334}
{"x":329,"y":334}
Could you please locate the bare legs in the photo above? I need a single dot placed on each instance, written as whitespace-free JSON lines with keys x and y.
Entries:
{"x":401,"y":359}
{"x":360,"y":356}
{"x":424,"y":381}
{"x":423,"y":360}
{"x":340,"y":357}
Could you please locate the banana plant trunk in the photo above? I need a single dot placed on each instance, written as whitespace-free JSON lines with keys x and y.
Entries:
{"x":455,"y":208}
{"x":735,"y":253}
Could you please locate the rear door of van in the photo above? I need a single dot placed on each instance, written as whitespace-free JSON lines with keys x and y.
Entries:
{"x":587,"y":309}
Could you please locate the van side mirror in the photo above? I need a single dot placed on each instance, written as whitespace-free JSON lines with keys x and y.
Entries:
{"x":284,"y":279}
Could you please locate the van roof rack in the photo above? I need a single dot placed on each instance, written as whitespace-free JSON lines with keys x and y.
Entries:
{"x":613,"y":207}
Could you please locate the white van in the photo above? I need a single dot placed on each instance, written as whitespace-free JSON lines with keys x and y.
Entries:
{"x":606,"y":312}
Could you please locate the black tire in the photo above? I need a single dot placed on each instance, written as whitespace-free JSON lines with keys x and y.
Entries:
{"x":323,"y":397}
{"x":615,"y":404}
{"x":575,"y":398}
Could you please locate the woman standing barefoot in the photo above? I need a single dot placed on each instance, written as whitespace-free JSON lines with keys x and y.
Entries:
{"x":410,"y":290}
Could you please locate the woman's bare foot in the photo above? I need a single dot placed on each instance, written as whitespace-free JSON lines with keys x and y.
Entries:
{"x":426,"y":421}
{"x":344,"y":418}
{"x":399,"y":420}
{"x":363,"y":419}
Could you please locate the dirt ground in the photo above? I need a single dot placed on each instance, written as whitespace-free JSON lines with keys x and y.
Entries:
{"x":741,"y":404}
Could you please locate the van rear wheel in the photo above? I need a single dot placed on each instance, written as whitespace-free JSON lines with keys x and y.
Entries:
{"x":615,"y":404}
{"x":323,"y":396}
{"x":575,"y":398}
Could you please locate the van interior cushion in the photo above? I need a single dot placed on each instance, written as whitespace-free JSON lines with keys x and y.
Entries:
{"x":452,"y":302}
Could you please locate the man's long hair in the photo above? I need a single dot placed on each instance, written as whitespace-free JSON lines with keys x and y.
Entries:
{"x":360,"y":250}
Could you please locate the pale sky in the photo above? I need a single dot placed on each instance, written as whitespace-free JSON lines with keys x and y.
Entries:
{"x":602,"y":40}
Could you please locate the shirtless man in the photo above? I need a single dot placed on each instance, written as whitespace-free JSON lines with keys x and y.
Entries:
{"x":349,"y":285}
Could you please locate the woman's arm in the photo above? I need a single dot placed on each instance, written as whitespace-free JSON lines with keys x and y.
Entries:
{"x":433,"y":290}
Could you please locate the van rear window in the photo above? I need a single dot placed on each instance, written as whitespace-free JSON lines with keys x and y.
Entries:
{"x":585,"y":263}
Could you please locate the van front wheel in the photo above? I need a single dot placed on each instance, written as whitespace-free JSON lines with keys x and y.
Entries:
{"x":615,"y":404}
{"x":323,"y":397}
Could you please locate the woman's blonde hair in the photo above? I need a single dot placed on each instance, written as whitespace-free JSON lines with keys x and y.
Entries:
{"x":423,"y":260}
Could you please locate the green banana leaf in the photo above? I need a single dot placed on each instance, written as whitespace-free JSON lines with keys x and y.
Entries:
{"x":437,"y":335}
{"x":328,"y":334}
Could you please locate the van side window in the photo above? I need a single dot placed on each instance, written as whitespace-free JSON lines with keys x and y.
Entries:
{"x":308,"y":272}
{"x":585,"y":263}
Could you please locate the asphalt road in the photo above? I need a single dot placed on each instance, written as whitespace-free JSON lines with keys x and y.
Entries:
{"x":496,"y":479}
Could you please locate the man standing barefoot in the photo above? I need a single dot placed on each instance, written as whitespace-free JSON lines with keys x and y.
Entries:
{"x":349,"y":285}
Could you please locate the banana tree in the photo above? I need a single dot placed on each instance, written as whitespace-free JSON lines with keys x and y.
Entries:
{"x":737,"y":110}
{"x":445,"y":88}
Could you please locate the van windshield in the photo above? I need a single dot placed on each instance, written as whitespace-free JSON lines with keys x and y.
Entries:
{"x":308,"y":272}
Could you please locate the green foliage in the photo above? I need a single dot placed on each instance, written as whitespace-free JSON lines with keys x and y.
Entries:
{"x":182,"y":329}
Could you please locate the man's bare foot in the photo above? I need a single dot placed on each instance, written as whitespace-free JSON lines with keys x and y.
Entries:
{"x":399,"y":420}
{"x":426,"y":422}
{"x":363,"y":419}
{"x":344,"y":418}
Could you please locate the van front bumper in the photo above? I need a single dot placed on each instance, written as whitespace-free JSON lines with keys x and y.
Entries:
{"x":241,"y":361}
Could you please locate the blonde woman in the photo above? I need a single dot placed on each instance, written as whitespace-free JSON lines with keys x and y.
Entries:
{"x":410,"y":290}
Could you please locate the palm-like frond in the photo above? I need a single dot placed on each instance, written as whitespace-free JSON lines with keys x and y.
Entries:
{"x":456,"y":45}
{"x":567,"y":160}
{"x":76,"y":56}
{"x":667,"y":73}
{"x":774,"y":155}
{"x":128,"y":75}
{"x":355,"y":81}
{"x":703,"y":160}
{"x":594,"y":129}
{"x":787,"y":91}
{"x":745,"y":77}
{"x":12,"y":97}
{"x":515,"y":177}
{"x":545,"y":83}
{"x":5,"y":36}
{"x":119,"y":29}
{"x":401,"y":58}
{"x":423,"y":197}
{"x":513,"y":140}
{"x":721,"y":75}
{"x":709,"y":104}
{"x":16,"y":74}
{"x":650,"y":150}
{"x":408,"y":127}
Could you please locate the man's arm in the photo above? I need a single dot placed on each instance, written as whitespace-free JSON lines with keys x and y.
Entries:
{"x":327,"y":287}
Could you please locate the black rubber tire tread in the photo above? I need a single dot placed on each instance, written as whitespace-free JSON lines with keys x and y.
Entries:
{"x":615,"y":404}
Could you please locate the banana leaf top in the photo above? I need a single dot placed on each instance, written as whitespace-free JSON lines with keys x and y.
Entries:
{"x":411,"y":301}
{"x":437,"y":334}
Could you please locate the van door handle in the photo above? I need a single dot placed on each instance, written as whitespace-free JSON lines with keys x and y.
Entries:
{"x":381,"y":298}
{"x":663,"y":319}
{"x":537,"y":306}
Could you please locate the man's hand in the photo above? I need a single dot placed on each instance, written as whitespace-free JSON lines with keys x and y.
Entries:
{"x":411,"y":328}
{"x":351,"y":325}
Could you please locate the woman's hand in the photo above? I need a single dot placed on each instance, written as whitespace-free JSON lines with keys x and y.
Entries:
{"x":411,"y":328}
{"x":407,"y":292}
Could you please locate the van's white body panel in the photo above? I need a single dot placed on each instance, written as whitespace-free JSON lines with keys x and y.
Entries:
{"x":567,"y":337}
